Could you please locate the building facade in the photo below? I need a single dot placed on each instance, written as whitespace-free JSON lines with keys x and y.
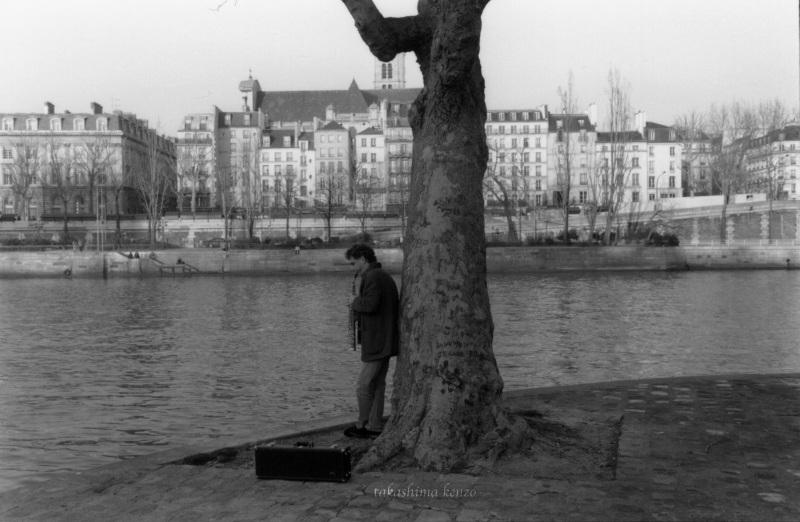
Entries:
{"x":77,"y":163}
{"x":773,"y":163}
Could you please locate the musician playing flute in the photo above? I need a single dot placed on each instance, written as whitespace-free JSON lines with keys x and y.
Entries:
{"x":377,"y":308}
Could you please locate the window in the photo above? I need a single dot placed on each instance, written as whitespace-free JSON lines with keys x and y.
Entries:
{"x":537,"y":129}
{"x":302,"y":160}
{"x":538,"y":170}
{"x":204,"y":123}
{"x":287,"y":141}
{"x":651,"y":197}
{"x":583,"y":149}
{"x":672,"y":166}
{"x":538,"y":143}
{"x":372,"y":157}
{"x":339,"y":153}
{"x":372,"y":142}
{"x":538,"y":157}
{"x":580,"y":123}
{"x":672,"y":151}
{"x":651,"y":135}
{"x":7,"y":154}
{"x":322,"y":153}
{"x":303,"y":190}
{"x":793,"y":160}
{"x":55,"y":124}
{"x":502,"y":129}
{"x":651,"y":182}
{"x":79,"y":207}
{"x":584,"y":180}
{"x":526,"y":170}
{"x":265,"y":185}
{"x":79,"y":124}
{"x":339,"y":138}
{"x":32,"y":124}
{"x":265,"y":170}
{"x":792,"y":174}
{"x":583,"y":196}
{"x":538,"y":199}
{"x":525,"y":129}
{"x":277,"y":156}
{"x":488,"y":116}
{"x":793,"y":188}
{"x":8,"y":205}
{"x":8,"y":124}
{"x":102,"y":124}
{"x":651,"y":166}
{"x":635,"y":197}
{"x":635,"y":162}
{"x":278,"y":170}
{"x":513,"y":143}
{"x":635,"y":179}
{"x":502,"y":116}
{"x":278,"y":185}
{"x":289,"y":170}
{"x":339,"y":167}
{"x":363,"y":142}
{"x":289,"y":156}
{"x":526,"y":157}
{"x":247,"y":119}
{"x":538,"y":184}
{"x":233,"y":134}
{"x":525,"y":116}
{"x":672,"y":135}
{"x":227,"y":119}
{"x":663,"y":195}
{"x":7,"y":179}
{"x":672,"y":182}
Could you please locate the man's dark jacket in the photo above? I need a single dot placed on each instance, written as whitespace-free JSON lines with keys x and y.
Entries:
{"x":378,"y":305}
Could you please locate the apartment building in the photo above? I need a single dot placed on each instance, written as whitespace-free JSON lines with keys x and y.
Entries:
{"x":619,"y":174}
{"x":664,"y":159}
{"x":371,"y":171}
{"x":81,"y":163}
{"x":518,"y":152}
{"x":399,"y":145}
{"x":571,"y":143}
{"x":287,"y":164}
{"x":773,"y":161}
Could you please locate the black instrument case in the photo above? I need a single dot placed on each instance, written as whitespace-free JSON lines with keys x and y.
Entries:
{"x":302,"y":461}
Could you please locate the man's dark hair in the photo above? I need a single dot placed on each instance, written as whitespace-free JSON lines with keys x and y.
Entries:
{"x":360,"y":250}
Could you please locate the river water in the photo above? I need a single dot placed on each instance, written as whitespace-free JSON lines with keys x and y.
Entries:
{"x":93,"y":371}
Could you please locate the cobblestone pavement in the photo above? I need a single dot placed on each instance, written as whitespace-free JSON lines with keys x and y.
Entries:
{"x":714,"y":448}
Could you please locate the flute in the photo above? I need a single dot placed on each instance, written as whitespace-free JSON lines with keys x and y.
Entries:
{"x":352,"y":324}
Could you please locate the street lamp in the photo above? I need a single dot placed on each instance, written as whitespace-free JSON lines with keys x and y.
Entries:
{"x":658,"y":187}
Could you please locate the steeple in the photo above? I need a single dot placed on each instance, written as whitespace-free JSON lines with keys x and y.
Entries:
{"x":391,"y":75}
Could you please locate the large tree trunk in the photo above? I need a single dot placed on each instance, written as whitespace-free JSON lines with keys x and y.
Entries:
{"x":447,"y":411}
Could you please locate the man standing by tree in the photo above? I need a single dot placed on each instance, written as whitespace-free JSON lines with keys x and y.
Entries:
{"x":377,"y":307}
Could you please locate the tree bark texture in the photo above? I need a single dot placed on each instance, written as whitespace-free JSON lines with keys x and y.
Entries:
{"x":447,"y":410}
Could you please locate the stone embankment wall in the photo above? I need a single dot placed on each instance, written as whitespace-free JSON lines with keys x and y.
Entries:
{"x":286,"y":262}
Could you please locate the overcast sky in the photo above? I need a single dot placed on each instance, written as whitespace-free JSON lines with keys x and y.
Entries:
{"x":163,"y":59}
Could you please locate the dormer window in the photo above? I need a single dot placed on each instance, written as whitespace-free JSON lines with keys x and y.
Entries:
{"x":559,"y":124}
{"x":781,"y":136}
{"x":227,"y":119}
{"x":502,"y":116}
{"x":287,"y":141}
{"x":303,"y":146}
{"x":396,"y":107}
{"x":651,"y":135}
{"x":514,"y":116}
{"x":580,"y":123}
{"x":247,"y":119}
{"x":672,"y":135}
{"x":79,"y":124}
{"x":32,"y":124}
{"x":8,"y":124}
{"x":526,"y":116}
{"x":55,"y":124}
{"x":488,"y":116}
{"x":102,"y":124}
{"x":203,"y":123}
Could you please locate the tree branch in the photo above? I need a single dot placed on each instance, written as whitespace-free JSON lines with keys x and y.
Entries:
{"x":386,"y":37}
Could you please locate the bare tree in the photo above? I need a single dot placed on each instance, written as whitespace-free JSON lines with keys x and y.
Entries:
{"x":154,"y":178}
{"x":226,"y":182}
{"x":250,"y":192}
{"x":690,"y":134}
{"x":615,"y":150}
{"x":766,"y":151}
{"x":399,"y":194}
{"x":120,"y":178}
{"x":330,"y":192}
{"x":193,"y":167}
{"x":567,"y":149}
{"x":502,"y":179}
{"x":286,"y":195}
{"x":92,"y":161}
{"x":447,"y":408}
{"x":732,"y":127}
{"x":61,"y":179}
{"x":367,"y":190}
{"x":25,"y":169}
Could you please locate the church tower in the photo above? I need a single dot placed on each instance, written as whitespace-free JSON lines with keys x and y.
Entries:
{"x":391,"y":75}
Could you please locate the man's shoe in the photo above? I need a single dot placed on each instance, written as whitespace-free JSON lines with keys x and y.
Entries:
{"x":354,"y":432}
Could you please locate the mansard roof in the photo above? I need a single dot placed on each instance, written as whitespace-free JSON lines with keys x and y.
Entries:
{"x":305,"y":105}
{"x":371,"y":130}
{"x":574,"y":122}
{"x":333,"y":126}
{"x":619,"y":137}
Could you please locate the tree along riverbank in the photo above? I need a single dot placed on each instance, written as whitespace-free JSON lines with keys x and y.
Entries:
{"x":275,"y":262}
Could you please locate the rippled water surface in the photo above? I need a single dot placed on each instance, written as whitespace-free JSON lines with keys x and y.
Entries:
{"x":93,"y":371}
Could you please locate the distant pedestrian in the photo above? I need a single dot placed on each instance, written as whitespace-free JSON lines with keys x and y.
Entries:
{"x":179,"y":261}
{"x":136,"y":256}
{"x":297,"y":250}
{"x":130,"y":255}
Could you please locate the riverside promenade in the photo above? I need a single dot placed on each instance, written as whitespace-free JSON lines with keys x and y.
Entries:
{"x":689,"y":448}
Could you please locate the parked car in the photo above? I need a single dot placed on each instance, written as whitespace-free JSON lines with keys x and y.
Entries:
{"x":573,"y":209}
{"x":10,"y":217}
{"x":216,"y":242}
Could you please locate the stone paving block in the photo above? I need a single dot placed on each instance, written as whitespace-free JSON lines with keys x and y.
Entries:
{"x":433,"y":516}
{"x":472,"y":515}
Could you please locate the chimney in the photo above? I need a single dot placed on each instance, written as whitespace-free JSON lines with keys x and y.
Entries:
{"x":96,"y":108}
{"x":49,"y":108}
{"x":639,"y":120}
{"x":296,"y":134}
{"x":245,"y":108}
